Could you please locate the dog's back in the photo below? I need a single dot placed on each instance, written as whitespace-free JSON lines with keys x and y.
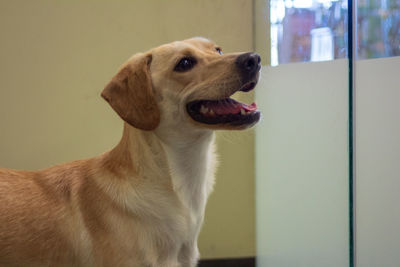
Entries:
{"x":38,"y":215}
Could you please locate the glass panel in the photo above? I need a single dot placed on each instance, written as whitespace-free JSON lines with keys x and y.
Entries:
{"x":377,"y":133}
{"x":377,"y":162}
{"x":302,"y":165}
{"x":302,"y":143}
{"x":308,"y":30}
{"x":378,"y":28}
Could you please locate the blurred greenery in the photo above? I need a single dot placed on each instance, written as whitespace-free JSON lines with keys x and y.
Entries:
{"x":378,"y":28}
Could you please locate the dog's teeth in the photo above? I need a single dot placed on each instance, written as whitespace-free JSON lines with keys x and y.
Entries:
{"x":212,"y":112}
{"x":242,"y":112}
{"x":203,"y":109}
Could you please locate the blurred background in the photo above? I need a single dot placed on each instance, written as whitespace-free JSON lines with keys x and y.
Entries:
{"x":314,"y":184}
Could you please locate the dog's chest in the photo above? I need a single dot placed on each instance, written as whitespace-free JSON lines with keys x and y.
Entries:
{"x":192,"y":174}
{"x":174,"y":217}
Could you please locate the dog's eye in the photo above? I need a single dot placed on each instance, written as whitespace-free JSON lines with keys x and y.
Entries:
{"x":219,"y":50}
{"x":185,"y":64}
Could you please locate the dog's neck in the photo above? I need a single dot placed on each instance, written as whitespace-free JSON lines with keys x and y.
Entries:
{"x":191,"y":161}
{"x":188,"y":161}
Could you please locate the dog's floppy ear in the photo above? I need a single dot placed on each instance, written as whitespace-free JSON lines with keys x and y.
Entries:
{"x":130,"y":94}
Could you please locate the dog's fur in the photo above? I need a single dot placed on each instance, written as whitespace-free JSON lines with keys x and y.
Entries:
{"x":142,"y":203}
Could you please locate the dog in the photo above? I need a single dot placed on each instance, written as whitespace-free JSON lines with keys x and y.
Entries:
{"x":141,"y":203}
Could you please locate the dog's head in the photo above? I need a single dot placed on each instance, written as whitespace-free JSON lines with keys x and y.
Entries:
{"x":185,"y":84}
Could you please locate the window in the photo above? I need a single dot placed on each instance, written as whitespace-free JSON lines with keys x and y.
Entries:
{"x":378,"y":28}
{"x":316,"y":30}
{"x":308,"y":30}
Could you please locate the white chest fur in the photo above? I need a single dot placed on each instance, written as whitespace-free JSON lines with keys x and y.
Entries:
{"x":170,"y":219}
{"x":192,"y":167}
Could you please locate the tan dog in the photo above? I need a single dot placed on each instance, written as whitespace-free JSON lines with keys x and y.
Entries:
{"x":142,"y":203}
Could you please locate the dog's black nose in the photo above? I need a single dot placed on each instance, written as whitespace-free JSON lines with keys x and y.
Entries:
{"x":248,"y":64}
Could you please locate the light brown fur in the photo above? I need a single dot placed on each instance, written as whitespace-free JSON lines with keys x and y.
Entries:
{"x":140,"y":204}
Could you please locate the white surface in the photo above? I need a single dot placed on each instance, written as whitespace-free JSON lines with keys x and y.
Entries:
{"x":302,"y":166}
{"x":378,"y":162}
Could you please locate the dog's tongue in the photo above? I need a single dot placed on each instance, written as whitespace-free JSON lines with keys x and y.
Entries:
{"x":230,"y":107}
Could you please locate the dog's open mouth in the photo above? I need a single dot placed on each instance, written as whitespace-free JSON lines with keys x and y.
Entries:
{"x":225,"y":111}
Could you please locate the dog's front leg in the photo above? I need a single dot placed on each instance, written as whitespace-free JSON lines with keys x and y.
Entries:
{"x":189,"y":255}
{"x":170,"y":263}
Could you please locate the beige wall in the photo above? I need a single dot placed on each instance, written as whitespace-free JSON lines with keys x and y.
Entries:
{"x":56,"y":56}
